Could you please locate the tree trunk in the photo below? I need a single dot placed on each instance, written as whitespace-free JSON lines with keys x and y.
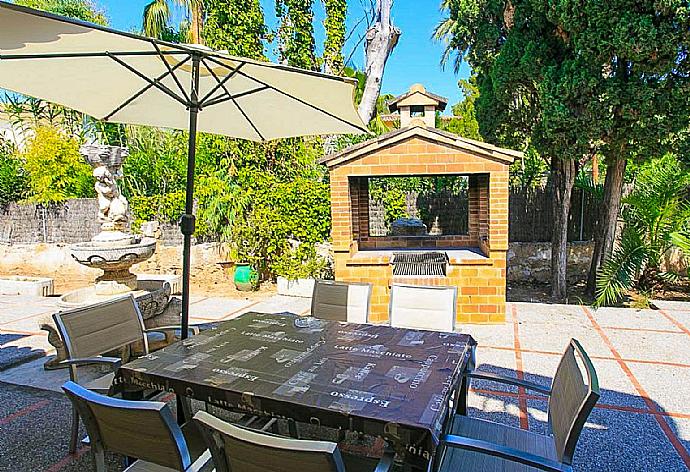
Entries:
{"x":196,"y":13}
{"x":381,"y":38}
{"x":563,"y":172}
{"x":605,"y":235}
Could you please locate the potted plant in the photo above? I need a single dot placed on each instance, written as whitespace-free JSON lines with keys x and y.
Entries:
{"x":252,"y":246}
{"x":297,"y":269}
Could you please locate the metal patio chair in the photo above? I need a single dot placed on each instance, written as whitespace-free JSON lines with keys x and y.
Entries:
{"x":423,"y":307}
{"x":234,"y":448}
{"x":480,"y":445}
{"x":143,"y":430}
{"x":89,"y":332}
{"x":340,"y":301}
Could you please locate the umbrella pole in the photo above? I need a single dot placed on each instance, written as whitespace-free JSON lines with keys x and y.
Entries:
{"x":187,"y":223}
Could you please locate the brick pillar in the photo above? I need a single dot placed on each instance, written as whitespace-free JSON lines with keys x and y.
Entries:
{"x":498,"y":209}
{"x":341,"y":230}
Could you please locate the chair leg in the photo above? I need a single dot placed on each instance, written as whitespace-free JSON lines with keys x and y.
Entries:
{"x":461,"y":407}
{"x":99,"y":459}
{"x":74,"y":433}
{"x":186,"y":404}
{"x":292,"y":428}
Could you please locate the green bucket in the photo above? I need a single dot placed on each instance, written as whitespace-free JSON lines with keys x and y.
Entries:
{"x":246,"y":278}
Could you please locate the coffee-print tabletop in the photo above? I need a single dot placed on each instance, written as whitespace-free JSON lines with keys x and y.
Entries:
{"x":391,"y":382}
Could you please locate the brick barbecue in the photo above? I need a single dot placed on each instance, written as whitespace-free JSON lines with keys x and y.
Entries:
{"x":475,"y":262}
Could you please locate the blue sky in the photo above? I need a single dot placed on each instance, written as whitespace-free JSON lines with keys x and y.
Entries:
{"x":415,"y":59}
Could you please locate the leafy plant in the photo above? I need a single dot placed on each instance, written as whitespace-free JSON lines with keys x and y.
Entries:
{"x":464,"y":121}
{"x":14,"y":183}
{"x":296,"y":43}
{"x":336,"y":16}
{"x":300,"y":262}
{"x":256,"y":213}
{"x":657,"y":218}
{"x":584,"y":181}
{"x":27,"y":113}
{"x":157,"y":161}
{"x":84,"y":10}
{"x":167,"y":207}
{"x":236,"y":26}
{"x":530,"y":171}
{"x":55,"y":168}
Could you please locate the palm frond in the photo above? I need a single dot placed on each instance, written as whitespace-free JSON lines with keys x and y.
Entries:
{"x":621,"y":269}
{"x":156,"y":18}
{"x":584,"y":181}
{"x":670,"y":277}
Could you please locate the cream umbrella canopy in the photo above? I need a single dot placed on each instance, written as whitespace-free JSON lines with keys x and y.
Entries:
{"x":125,"y":78}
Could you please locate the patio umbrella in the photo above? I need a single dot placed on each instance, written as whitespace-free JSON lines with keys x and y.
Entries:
{"x":125,"y":78}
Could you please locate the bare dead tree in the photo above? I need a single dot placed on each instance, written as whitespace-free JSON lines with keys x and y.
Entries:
{"x":381,"y":39}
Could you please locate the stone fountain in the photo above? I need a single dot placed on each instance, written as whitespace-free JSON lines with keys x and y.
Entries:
{"x":114,"y":251}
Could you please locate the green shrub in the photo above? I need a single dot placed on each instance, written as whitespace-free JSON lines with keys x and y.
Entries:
{"x":257,"y":214}
{"x":157,"y":161}
{"x":167,"y":208}
{"x":14,"y":183}
{"x":56,"y":170}
{"x":299,"y":262}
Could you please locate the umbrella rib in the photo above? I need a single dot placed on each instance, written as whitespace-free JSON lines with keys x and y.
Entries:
{"x":224,"y":98}
{"x":282,"y":92}
{"x":142,"y":91}
{"x":221,"y":83}
{"x":171,"y":70}
{"x":234,"y":101}
{"x":154,"y":83}
{"x":251,"y":123}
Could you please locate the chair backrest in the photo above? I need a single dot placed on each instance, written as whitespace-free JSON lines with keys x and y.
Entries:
{"x":235,"y":449}
{"x":145,"y":430}
{"x":572,"y":399}
{"x":102,"y":327}
{"x":428,"y":307}
{"x":340,"y":301}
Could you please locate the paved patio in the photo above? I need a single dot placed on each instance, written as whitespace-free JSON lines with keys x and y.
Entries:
{"x":641,"y":423}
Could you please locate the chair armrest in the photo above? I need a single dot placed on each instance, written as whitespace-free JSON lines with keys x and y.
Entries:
{"x":192,"y":330}
{"x":507,"y":380}
{"x":114,"y":362}
{"x":503,"y":452}
{"x":386,"y":462}
{"x":203,"y":463}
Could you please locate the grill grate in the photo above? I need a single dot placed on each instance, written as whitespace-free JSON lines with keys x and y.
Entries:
{"x":420,"y":263}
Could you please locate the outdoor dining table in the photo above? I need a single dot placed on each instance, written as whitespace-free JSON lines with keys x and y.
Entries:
{"x":399,"y":384}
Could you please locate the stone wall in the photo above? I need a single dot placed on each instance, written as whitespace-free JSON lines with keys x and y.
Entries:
{"x":63,"y":223}
{"x":54,"y":260}
{"x":69,"y":222}
{"x":531,"y":262}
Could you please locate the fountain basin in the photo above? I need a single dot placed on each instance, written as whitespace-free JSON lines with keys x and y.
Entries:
{"x":115,"y":262}
{"x":98,"y":256}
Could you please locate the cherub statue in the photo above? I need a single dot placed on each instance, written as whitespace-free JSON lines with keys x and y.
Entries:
{"x":113,"y":208}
